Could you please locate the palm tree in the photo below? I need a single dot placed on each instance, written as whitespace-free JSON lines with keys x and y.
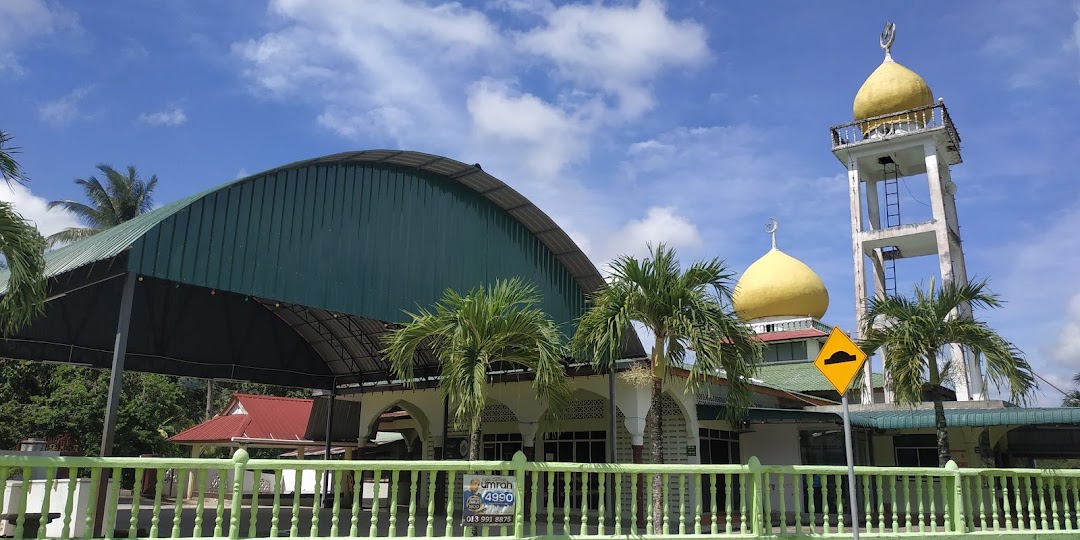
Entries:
{"x":471,"y":334}
{"x":916,"y":332}
{"x":683,"y":310}
{"x":120,"y":198}
{"x":24,"y":254}
{"x":1072,"y":399}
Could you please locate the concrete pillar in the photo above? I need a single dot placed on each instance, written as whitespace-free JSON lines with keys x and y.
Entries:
{"x":528,"y":432}
{"x":975,"y":374}
{"x":196,"y":451}
{"x":945,"y":258}
{"x":856,"y":197}
{"x":636,"y":426}
{"x":438,"y":442}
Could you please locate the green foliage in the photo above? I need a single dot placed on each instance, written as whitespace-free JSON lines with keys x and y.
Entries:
{"x":55,"y":401}
{"x":917,"y":332}
{"x":472,"y":333}
{"x":9,"y":167}
{"x":23,"y":251}
{"x":121,"y":197}
{"x":1072,"y":399}
{"x":684,"y":310}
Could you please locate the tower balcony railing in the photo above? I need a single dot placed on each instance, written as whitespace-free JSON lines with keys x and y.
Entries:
{"x":893,"y":125}
{"x":807,"y":323}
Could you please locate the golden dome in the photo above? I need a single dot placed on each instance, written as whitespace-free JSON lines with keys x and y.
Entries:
{"x":778,"y":284}
{"x":891,"y":88}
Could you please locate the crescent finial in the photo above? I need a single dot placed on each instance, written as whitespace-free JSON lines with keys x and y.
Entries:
{"x":888,"y":35}
{"x":771,"y":229}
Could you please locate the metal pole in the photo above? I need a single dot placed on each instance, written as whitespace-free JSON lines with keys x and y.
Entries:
{"x":445,"y":424}
{"x":326,"y":500}
{"x":108,"y":433}
{"x":116,"y":376}
{"x":852,"y":491}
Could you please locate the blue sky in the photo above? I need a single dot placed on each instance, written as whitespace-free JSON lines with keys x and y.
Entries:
{"x":628,"y":122}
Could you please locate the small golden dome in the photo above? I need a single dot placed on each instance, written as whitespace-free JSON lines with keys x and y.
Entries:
{"x":777,"y":285}
{"x":890,"y":88}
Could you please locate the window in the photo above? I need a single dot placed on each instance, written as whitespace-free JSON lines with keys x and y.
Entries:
{"x":916,"y":450}
{"x":501,"y":446}
{"x":719,"y":447}
{"x":785,"y":352}
{"x":576,"y":447}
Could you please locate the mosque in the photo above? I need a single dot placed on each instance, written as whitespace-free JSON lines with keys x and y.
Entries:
{"x":294,"y":275}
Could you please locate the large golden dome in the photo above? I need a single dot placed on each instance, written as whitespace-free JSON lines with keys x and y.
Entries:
{"x":777,"y":285}
{"x":890,"y":88}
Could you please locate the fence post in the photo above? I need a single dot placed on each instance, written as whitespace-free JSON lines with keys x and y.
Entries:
{"x":518,"y":461}
{"x":240,"y":460}
{"x":757,"y":523}
{"x":954,"y":493}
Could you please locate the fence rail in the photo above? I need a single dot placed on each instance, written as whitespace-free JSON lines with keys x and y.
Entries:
{"x":72,"y":497}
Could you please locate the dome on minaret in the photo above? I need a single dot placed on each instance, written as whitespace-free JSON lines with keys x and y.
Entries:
{"x":779,"y":285}
{"x":890,"y":88}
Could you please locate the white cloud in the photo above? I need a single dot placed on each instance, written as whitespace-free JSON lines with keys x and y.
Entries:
{"x":64,"y":109}
{"x":616,"y":49}
{"x":368,"y":65}
{"x":35,"y":209}
{"x":173,"y":116}
{"x":660,"y":224}
{"x":545,"y":137}
{"x":1068,"y":342}
{"x":25,"y":22}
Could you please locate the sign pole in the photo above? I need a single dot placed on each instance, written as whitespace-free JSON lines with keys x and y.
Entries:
{"x":840,"y":360}
{"x":852,"y":491}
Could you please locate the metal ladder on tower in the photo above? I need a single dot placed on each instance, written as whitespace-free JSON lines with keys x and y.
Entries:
{"x":892,"y":219}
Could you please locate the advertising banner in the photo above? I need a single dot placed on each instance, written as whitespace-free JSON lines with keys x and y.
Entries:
{"x":488,"y":500}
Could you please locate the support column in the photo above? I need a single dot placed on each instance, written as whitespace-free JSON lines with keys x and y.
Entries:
{"x":974,"y":369}
{"x":636,"y":426}
{"x":189,"y":492}
{"x":945,"y":260}
{"x":112,"y":405}
{"x":327,"y":497}
{"x":123,"y":324}
{"x":855,"y":195}
{"x":528,"y":432}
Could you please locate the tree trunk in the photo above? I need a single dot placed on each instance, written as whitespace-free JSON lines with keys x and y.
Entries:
{"x":474,"y":445}
{"x":944,"y":455}
{"x":656,"y":433}
{"x":942,"y":431}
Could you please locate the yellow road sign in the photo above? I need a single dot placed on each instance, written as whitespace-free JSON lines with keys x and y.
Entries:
{"x":840,"y":360}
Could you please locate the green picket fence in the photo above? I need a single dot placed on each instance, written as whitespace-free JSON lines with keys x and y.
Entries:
{"x":77,"y":497}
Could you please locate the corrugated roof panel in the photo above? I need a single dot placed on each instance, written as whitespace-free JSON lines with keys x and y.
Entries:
{"x":801,"y":377}
{"x":1007,"y":416}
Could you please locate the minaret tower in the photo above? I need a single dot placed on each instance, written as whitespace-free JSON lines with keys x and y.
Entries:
{"x":901,"y":134}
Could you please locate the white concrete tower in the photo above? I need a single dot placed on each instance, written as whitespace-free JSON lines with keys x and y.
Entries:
{"x":899,"y":134}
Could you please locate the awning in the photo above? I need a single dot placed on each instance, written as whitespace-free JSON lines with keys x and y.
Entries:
{"x":908,"y":418}
{"x":766,"y":415}
{"x":1008,"y":416}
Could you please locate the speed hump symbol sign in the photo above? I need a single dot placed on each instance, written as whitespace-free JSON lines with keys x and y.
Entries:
{"x":840,"y":360}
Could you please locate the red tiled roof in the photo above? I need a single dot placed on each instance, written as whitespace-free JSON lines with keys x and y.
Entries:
{"x":264,"y":417}
{"x":217,"y":429}
{"x":278,"y":418}
{"x":792,"y":334}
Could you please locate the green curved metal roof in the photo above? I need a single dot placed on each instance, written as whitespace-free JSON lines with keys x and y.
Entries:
{"x":332,"y":247}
